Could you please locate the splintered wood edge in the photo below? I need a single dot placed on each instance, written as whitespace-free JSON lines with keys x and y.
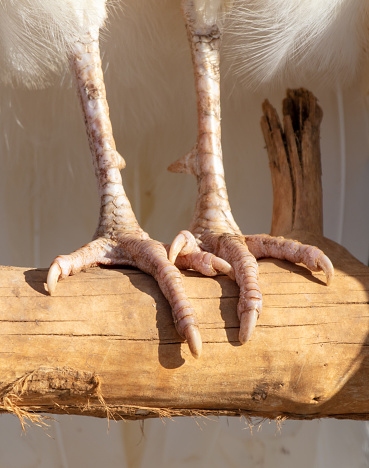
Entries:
{"x":21,"y":398}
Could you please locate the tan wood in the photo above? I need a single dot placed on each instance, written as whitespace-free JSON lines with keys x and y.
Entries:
{"x":294,"y":158}
{"x":307,"y":358}
{"x":105,"y":344}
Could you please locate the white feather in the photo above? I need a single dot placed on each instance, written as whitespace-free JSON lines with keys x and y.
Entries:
{"x":290,"y":41}
{"x":268,"y":41}
{"x":35,"y":36}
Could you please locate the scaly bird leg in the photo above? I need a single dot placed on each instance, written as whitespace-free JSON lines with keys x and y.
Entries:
{"x":213,"y":225}
{"x":119,"y":240}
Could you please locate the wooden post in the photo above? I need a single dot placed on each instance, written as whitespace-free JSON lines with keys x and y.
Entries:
{"x":294,"y":159}
{"x":106,"y":344}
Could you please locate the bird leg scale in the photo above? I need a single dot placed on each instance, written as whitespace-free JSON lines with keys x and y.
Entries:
{"x":213,"y":226}
{"x":118,"y":240}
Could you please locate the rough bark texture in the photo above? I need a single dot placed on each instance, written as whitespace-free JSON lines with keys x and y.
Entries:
{"x":105,"y":344}
{"x":109,"y":333}
{"x":294,"y":159}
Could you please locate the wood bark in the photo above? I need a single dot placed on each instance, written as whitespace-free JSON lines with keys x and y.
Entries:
{"x":105,"y":344}
{"x":294,"y":159}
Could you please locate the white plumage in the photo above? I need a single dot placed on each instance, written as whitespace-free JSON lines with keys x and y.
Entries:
{"x":285,"y":42}
{"x":36,"y":36}
{"x":266,"y":40}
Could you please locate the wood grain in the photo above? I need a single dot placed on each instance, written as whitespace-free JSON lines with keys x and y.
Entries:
{"x":308,"y":357}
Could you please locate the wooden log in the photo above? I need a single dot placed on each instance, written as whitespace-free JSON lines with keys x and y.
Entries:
{"x":109,"y":333}
{"x":105,"y":344}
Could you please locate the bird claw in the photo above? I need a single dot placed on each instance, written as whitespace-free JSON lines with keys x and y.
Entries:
{"x":189,"y":255}
{"x":263,"y":246}
{"x":247,"y":325}
{"x":184,"y":243}
{"x":53,"y":276}
{"x":91,"y":254}
{"x":219,"y":265}
{"x":186,"y":254}
{"x":325,"y":265}
{"x":193,"y":338}
{"x":235,"y":255}
{"x":138,"y":250}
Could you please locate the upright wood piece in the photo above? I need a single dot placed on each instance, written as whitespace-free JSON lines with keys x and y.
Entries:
{"x":294,"y":158}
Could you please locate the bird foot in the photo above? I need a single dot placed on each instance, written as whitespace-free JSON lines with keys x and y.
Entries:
{"x":264,"y":246}
{"x":235,"y":255}
{"x":139,"y":250}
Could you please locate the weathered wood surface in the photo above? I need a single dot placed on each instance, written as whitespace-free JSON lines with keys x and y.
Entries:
{"x":105,"y":343}
{"x":294,"y":160}
{"x":308,"y":357}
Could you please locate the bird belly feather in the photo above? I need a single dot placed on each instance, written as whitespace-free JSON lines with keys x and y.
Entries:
{"x":287,"y":41}
{"x":35,"y":36}
{"x":266,"y":41}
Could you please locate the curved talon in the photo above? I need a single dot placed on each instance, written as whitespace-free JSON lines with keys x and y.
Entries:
{"x":221,"y":266}
{"x":194,"y":341}
{"x":247,"y":325}
{"x":177,"y":245}
{"x":52,"y":277}
{"x":205,"y":263}
{"x":316,"y":260}
{"x":326,"y":266}
{"x":209,"y":264}
{"x":184,"y":243}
